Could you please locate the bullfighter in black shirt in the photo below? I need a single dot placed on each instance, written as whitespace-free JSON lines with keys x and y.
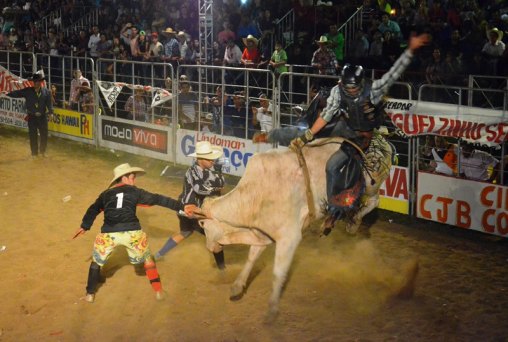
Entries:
{"x":121,"y":226}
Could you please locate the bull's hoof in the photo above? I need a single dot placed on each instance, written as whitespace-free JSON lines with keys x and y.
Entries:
{"x":236,"y":297}
{"x":236,"y":293}
{"x":271,"y":316}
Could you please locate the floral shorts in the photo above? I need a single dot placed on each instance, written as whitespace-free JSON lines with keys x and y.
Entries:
{"x":135,"y":241}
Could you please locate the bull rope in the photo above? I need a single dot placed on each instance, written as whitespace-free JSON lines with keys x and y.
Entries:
{"x":305,"y":169}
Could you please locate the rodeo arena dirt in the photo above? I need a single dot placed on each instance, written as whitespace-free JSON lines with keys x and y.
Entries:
{"x":402,"y":277}
{"x":340,"y":288}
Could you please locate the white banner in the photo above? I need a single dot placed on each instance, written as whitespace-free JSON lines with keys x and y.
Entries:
{"x":463,"y":203}
{"x":110,"y":90}
{"x":160,"y":96}
{"x":476,"y":125}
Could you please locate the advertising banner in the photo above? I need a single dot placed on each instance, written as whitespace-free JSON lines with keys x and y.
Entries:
{"x":476,"y":125}
{"x":135,"y":137}
{"x":13,"y":112}
{"x":72,"y":123}
{"x":463,"y":203}
{"x":237,"y":150}
{"x":394,"y":193}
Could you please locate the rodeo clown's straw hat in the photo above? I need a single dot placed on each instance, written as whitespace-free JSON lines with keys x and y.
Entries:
{"x":205,"y":150}
{"x":125,"y":169}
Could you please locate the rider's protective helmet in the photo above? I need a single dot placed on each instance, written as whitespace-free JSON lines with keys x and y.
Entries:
{"x":352,"y":79}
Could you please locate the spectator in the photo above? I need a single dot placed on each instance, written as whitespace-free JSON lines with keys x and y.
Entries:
{"x":445,"y":157}
{"x":376,"y":51}
{"x":237,"y":114}
{"x":92,"y":42}
{"x":226,"y":34}
{"x":279,"y":59}
{"x":336,"y":41}
{"x":155,"y":49}
{"x":493,"y":50}
{"x":232,"y":54}
{"x":250,"y":56}
{"x":171,"y":48}
{"x":323,"y":59}
{"x":476,"y":164}
{"x":87,"y":101}
{"x":158,"y":22}
{"x":221,"y":122}
{"x":136,"y":106}
{"x":359,"y":48}
{"x":187,"y":105}
{"x":79,"y":84}
{"x":391,"y":49}
{"x":263,"y":118}
{"x":266,"y":25}
{"x":390,"y":25}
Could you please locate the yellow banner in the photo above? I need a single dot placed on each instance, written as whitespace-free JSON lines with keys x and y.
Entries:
{"x":72,"y":123}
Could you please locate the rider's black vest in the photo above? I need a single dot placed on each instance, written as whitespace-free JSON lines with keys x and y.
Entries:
{"x":355,"y":109}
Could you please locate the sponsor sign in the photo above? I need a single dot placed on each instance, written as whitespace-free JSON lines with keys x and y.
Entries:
{"x":133,"y":135}
{"x":72,"y":123}
{"x":394,"y":193}
{"x":237,"y":150}
{"x":463,"y":203}
{"x":13,"y":112}
{"x":476,"y":125}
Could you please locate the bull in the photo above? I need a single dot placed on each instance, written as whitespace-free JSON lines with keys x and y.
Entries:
{"x":275,"y":200}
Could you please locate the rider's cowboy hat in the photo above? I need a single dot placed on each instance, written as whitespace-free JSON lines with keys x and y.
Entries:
{"x":124,"y":169}
{"x":250,"y":37}
{"x":322,"y":40}
{"x":205,"y":150}
{"x":496,"y":31}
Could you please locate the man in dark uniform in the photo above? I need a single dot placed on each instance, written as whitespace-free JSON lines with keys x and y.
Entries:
{"x":121,"y":226}
{"x":38,"y":107}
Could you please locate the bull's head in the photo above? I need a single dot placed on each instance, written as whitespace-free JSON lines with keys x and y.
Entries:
{"x":213,"y":232}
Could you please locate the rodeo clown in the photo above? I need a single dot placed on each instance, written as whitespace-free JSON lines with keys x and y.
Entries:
{"x":358,"y":103}
{"x":122,"y":228}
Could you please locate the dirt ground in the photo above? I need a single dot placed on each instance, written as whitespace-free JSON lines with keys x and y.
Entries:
{"x":341,"y":288}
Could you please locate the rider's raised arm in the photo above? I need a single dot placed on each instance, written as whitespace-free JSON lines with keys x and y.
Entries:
{"x":380,"y":87}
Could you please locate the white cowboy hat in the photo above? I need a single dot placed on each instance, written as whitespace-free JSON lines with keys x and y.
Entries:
{"x":125,"y":169}
{"x":322,"y":40}
{"x":205,"y":150}
{"x":497,"y":31}
{"x":251,"y":38}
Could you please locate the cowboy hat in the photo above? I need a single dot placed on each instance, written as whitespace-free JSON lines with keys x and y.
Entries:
{"x":38,"y":76}
{"x":205,"y":150}
{"x":496,"y":31}
{"x":168,"y":31}
{"x":124,"y":169}
{"x":322,"y":40}
{"x":251,"y":38}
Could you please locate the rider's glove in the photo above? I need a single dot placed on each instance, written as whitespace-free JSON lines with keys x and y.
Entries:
{"x":302,"y":139}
